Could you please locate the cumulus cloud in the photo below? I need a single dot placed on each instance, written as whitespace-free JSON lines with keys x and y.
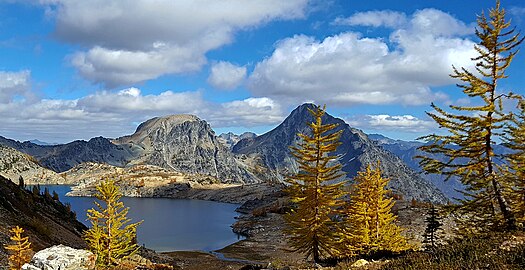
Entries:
{"x":347,"y":68}
{"x":386,"y":18}
{"x":15,"y":86}
{"x":399,"y":123}
{"x":226,"y":76}
{"x":133,"y":41}
{"x":114,"y":114}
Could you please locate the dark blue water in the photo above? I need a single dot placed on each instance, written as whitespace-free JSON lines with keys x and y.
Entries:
{"x":169,"y":224}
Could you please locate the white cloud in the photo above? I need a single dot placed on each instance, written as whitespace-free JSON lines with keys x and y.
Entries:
{"x":15,"y":86}
{"x":385,"y":122}
{"x":226,"y":76}
{"x":386,"y":18}
{"x":347,"y":68}
{"x":133,"y":41}
{"x":114,"y":114}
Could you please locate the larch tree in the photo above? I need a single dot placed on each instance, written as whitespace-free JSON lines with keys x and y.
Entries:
{"x":473,"y":130}
{"x":515,"y":140}
{"x":369,"y":222}
{"x":313,"y":192}
{"x":20,"y":250}
{"x":112,"y":237}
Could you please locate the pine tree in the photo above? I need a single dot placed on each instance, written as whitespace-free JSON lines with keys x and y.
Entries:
{"x":473,"y":130}
{"x":20,"y":251}
{"x":310,"y":223}
{"x":21,"y":183}
{"x":515,"y":140}
{"x":369,"y":223}
{"x":112,"y":236}
{"x":433,"y":221}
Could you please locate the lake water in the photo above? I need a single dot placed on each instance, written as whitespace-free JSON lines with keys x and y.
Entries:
{"x":169,"y":224}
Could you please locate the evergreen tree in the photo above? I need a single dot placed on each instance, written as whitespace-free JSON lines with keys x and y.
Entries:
{"x":112,"y":236}
{"x":21,"y":183}
{"x":36,"y":190}
{"x":20,"y":251}
{"x":310,"y":223}
{"x":55,"y":196}
{"x":515,"y":140}
{"x":433,"y":221}
{"x":468,"y":147}
{"x":370,"y":224}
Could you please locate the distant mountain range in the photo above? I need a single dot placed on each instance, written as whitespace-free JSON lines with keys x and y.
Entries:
{"x":187,"y":144}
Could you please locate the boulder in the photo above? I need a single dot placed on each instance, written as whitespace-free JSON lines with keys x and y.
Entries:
{"x":61,"y":258}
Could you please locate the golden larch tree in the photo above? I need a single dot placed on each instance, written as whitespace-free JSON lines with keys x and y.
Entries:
{"x":369,"y":221}
{"x":312,"y":191}
{"x":112,"y":237}
{"x":515,"y":140}
{"x":20,"y":251}
{"x":473,"y":130}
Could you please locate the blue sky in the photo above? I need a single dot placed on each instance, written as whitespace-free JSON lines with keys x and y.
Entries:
{"x":79,"y":69}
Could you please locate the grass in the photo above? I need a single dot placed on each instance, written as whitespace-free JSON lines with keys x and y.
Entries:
{"x":487,"y":252}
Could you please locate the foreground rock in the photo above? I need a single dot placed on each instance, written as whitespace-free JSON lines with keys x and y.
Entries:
{"x":63,"y":258}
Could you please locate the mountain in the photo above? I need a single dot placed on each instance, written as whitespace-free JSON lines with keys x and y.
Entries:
{"x":35,"y":141}
{"x":60,"y":158}
{"x":182,"y":143}
{"x":408,"y":150}
{"x":230,"y":139}
{"x":47,"y":222}
{"x":187,"y":144}
{"x":15,"y":164}
{"x":356,"y":151}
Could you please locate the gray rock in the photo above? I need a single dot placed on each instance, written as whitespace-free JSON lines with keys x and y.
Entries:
{"x":63,"y":157}
{"x":61,"y":258}
{"x":230,"y":139}
{"x":187,"y":144}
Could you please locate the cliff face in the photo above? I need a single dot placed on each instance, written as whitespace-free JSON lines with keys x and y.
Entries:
{"x":272,"y":150}
{"x":46,"y":222}
{"x":186,"y":144}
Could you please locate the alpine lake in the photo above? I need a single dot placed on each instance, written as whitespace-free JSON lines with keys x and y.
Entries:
{"x":168,"y":224}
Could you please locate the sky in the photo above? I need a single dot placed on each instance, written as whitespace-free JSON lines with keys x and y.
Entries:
{"x":74,"y":69}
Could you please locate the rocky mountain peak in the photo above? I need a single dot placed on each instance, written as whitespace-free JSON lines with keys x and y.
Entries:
{"x":186,"y":144}
{"x":355,"y":153}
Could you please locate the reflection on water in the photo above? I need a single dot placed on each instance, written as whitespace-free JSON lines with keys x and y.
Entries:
{"x":169,"y":224}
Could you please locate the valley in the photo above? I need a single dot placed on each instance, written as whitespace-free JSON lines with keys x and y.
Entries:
{"x":179,"y":157}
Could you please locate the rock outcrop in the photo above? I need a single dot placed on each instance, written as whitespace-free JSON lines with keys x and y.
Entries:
{"x":271,"y":151}
{"x":15,"y":164}
{"x":63,"y":258}
{"x":186,"y":144}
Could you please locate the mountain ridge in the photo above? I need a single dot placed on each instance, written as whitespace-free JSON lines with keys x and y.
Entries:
{"x":355,"y":152}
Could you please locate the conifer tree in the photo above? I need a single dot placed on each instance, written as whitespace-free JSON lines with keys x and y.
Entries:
{"x":112,"y":236}
{"x":369,"y":223}
{"x":515,"y":140}
{"x":473,"y":130}
{"x":310,"y":223}
{"x":21,"y":183}
{"x":433,"y":221}
{"x":20,"y":251}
